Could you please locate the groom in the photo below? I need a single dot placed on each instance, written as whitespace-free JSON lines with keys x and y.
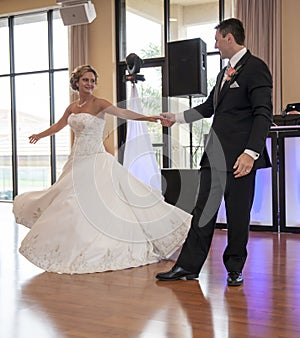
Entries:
{"x":241,"y":103}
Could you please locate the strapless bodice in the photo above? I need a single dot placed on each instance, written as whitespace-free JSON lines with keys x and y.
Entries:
{"x":88,"y":131}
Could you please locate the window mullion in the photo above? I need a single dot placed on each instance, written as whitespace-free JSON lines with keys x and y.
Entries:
{"x":13,"y":107}
{"x":51,"y":94}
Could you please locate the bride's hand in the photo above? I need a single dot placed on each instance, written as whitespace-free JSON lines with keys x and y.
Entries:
{"x":33,"y":138}
{"x":154,"y":118}
{"x":168,"y":119}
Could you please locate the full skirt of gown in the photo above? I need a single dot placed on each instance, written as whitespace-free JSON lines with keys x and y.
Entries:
{"x":97,"y":216}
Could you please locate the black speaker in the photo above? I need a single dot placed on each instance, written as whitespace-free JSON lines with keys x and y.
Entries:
{"x":187,"y":68}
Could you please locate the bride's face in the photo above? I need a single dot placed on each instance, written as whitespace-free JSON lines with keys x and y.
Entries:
{"x":87,"y":83}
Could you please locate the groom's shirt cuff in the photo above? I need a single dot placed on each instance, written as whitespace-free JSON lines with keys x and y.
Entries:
{"x":252,"y":153}
{"x":179,"y":118}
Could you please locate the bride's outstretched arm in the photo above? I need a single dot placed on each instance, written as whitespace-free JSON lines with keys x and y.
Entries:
{"x":126,"y":114}
{"x":60,"y":124}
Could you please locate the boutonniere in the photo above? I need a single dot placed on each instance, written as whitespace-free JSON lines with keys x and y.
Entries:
{"x":231,"y":72}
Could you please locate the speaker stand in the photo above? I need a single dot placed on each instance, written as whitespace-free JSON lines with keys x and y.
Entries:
{"x":191,"y":135}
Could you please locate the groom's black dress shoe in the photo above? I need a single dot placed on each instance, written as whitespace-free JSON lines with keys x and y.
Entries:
{"x":235,"y":279}
{"x":176,"y":273}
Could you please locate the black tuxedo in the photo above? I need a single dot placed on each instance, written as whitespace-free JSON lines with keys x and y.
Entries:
{"x":242,"y":115}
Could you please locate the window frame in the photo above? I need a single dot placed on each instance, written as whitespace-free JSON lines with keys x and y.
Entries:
{"x":120,"y":6}
{"x":51,"y":70}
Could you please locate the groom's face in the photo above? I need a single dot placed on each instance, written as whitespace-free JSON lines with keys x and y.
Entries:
{"x":223,"y":44}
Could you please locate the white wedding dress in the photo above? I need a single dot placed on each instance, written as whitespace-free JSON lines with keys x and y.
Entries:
{"x":97,"y":217}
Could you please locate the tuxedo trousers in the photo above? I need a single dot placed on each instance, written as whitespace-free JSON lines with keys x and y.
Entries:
{"x":238,"y":195}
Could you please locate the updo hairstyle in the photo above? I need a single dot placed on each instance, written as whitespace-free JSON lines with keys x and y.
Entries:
{"x":78,"y":73}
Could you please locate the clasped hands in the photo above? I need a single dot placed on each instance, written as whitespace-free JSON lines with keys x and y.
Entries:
{"x":167,"y":119}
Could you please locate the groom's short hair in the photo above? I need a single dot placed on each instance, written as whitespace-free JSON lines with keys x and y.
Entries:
{"x":233,"y":26}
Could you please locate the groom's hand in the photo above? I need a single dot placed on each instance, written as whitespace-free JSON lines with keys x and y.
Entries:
{"x":168,"y":119}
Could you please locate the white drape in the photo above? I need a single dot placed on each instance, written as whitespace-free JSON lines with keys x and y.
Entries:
{"x":139,"y":157}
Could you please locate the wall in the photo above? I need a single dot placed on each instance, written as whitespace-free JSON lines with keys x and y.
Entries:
{"x":290,"y":52}
{"x":102,"y":56}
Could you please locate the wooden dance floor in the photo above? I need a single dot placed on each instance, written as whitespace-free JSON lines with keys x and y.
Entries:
{"x":131,"y":303}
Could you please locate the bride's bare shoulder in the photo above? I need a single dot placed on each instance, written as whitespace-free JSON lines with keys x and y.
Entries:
{"x":103,"y":103}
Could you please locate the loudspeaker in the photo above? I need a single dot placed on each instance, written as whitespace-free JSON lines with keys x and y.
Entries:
{"x":78,"y":14}
{"x":187,"y":68}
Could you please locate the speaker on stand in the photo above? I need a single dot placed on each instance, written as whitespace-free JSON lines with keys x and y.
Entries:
{"x":187,"y":61}
{"x":187,"y":68}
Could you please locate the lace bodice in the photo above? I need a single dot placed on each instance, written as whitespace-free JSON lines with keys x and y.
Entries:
{"x":88,"y":131}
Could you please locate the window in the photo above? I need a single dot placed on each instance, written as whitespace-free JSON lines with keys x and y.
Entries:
{"x":144,"y":27}
{"x":187,"y":21}
{"x":142,"y":30}
{"x":34,"y":93}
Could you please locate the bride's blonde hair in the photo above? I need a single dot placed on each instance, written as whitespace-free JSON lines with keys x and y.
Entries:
{"x":78,"y":73}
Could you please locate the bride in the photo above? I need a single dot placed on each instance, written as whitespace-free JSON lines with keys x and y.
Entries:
{"x":96,"y":216}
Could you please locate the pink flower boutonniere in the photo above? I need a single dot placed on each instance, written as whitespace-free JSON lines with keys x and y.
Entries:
{"x":231,"y":72}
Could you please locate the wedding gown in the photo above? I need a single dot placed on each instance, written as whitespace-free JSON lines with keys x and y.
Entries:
{"x":97,"y":217}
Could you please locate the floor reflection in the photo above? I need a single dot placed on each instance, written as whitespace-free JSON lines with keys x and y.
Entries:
{"x":108,"y":299}
{"x":199,"y":322}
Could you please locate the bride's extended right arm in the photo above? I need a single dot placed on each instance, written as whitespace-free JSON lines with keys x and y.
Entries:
{"x":127,"y":114}
{"x":60,"y":124}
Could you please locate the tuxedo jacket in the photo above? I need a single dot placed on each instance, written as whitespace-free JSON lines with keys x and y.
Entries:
{"x":242,"y":115}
